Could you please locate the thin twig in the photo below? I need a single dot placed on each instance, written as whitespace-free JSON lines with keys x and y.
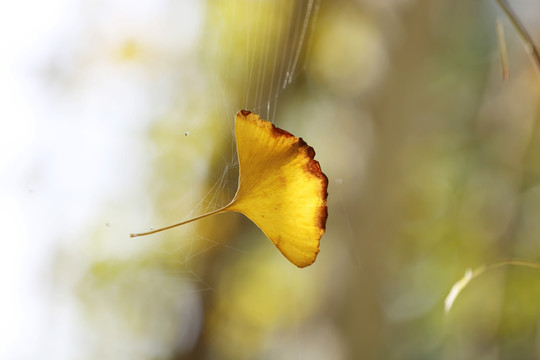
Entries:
{"x":503,"y":52}
{"x":527,"y":39}
{"x":471,"y":274}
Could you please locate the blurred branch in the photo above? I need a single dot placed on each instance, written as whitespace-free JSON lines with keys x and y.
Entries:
{"x":527,"y":39}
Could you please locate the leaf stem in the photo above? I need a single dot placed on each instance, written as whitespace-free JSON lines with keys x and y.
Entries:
{"x":180,"y":223}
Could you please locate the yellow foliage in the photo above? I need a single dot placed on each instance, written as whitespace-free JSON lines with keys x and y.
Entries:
{"x":281,"y":188}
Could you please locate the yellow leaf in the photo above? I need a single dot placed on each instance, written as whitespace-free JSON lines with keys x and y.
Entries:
{"x":281,"y":188}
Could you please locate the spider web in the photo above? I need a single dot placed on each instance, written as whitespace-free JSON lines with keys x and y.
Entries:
{"x":248,"y":67}
{"x":267,"y":53}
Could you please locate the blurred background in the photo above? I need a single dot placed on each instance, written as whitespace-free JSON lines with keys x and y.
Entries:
{"x":118,"y":117}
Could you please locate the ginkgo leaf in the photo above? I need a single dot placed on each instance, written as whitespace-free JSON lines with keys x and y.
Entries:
{"x":281,"y":188}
